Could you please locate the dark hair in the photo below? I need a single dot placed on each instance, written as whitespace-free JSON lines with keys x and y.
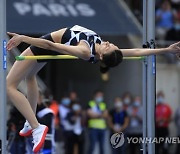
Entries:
{"x":160,"y":93}
{"x":97,"y":91}
{"x":111,"y":59}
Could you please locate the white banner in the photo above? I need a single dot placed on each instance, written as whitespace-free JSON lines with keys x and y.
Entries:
{"x":65,"y":8}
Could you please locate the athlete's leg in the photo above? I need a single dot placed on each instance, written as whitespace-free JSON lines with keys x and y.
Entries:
{"x":32,"y":92}
{"x":32,"y":86}
{"x":17,"y":73}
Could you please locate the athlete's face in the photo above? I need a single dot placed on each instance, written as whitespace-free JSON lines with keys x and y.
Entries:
{"x":107,"y":47}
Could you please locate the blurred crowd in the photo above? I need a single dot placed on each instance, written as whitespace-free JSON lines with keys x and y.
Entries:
{"x":77,"y":130}
{"x":167,"y":24}
{"x":168,"y":20}
{"x":167,"y":17}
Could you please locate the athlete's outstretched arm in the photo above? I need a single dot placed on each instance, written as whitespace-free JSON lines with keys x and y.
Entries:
{"x":174,"y":48}
{"x":80,"y":51}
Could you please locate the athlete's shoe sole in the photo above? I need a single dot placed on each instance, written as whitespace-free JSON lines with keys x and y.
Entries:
{"x":28,"y":133}
{"x":39,"y":146}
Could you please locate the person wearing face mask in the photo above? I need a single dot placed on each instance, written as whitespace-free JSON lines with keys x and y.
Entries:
{"x":64,"y":109}
{"x":97,"y":115}
{"x":135,"y":124}
{"x":163,"y":118}
{"x":75,"y":137}
{"x":127,"y":100}
{"x":118,"y":121}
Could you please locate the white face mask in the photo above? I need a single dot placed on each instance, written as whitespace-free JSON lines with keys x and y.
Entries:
{"x":66,"y":101}
{"x":127,"y":101}
{"x":99,"y":99}
{"x":137,"y":104}
{"x":160,"y":100}
{"x":76,"y":107}
{"x":177,"y":26}
{"x":118,"y":105}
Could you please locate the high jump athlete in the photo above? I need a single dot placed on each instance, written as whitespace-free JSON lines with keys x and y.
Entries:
{"x":76,"y":41}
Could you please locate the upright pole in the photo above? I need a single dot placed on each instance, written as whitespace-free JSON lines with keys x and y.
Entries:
{"x":2,"y":77}
{"x":149,"y":74}
{"x":144,"y":71}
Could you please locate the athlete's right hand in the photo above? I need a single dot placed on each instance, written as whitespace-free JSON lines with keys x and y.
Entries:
{"x":14,"y":41}
{"x":175,"y":49}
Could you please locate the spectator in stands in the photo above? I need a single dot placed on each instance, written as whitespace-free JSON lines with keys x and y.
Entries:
{"x":54,"y":105}
{"x":118,"y":121}
{"x":163,"y":118}
{"x":16,"y":143}
{"x":75,"y":137}
{"x":97,"y":114}
{"x":177,"y":123}
{"x":73,"y":97}
{"x":127,"y":100}
{"x":135,"y":124}
{"x":174,"y":33}
{"x":164,"y":19}
{"x":58,"y":133}
{"x":46,"y":116}
{"x":64,"y":109}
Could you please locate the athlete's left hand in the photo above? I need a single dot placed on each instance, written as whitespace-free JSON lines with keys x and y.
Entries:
{"x":175,"y":49}
{"x":14,"y":41}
